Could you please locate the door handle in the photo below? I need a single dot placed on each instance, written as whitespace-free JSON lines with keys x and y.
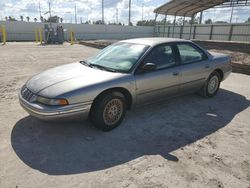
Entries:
{"x":175,"y":73}
{"x":207,"y":66}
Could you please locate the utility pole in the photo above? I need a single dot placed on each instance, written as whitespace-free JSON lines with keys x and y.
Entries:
{"x":50,"y":24}
{"x":103,"y":11}
{"x":75,"y":16}
{"x":129,"y":14}
{"x":40,"y":11}
{"x":142,"y":17}
{"x":116,"y":15}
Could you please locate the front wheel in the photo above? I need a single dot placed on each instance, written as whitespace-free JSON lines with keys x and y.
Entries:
{"x":108,"y":111}
{"x":212,"y":85}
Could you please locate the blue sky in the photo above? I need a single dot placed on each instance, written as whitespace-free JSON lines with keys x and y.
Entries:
{"x":91,"y":10}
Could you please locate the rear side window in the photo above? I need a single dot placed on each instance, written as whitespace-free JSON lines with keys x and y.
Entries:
{"x":190,"y":54}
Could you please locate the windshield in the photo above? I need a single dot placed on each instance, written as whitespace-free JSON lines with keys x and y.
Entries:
{"x":118,"y":57}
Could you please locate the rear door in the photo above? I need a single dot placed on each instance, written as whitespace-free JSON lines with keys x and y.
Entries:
{"x":162,"y":82}
{"x":194,"y":67}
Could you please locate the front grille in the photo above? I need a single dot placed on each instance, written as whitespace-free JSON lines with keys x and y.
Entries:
{"x":26,"y":93}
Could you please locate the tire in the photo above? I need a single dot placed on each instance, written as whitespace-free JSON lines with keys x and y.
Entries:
{"x":212,"y":85}
{"x":108,"y":111}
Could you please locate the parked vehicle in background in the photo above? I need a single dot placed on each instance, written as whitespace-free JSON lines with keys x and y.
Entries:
{"x":124,"y":75}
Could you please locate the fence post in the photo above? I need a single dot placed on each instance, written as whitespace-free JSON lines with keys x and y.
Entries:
{"x":71,"y":37}
{"x":194,"y":31}
{"x":231,"y":32}
{"x":168,"y":31}
{"x":181,"y":32}
{"x":40,"y":35}
{"x":36,"y":35}
{"x":211,"y":32}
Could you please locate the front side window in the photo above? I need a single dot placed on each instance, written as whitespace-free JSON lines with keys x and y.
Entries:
{"x":162,"y":56}
{"x":120,"y":56}
{"x":190,"y":54}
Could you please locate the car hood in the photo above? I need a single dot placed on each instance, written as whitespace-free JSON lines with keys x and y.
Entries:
{"x":74,"y":74}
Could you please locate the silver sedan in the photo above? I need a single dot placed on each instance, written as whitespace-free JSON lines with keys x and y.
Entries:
{"x":124,"y":75}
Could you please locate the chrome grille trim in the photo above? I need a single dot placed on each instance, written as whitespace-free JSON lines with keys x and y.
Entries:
{"x":26,"y":93}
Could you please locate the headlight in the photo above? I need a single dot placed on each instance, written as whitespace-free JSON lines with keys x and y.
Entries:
{"x":53,"y":102}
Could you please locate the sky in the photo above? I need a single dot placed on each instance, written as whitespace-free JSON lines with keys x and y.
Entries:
{"x":91,"y":10}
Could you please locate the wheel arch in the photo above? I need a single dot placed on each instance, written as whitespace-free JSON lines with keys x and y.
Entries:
{"x":220,"y":73}
{"x":122,"y":90}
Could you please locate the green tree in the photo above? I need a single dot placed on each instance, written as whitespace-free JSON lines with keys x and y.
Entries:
{"x":61,"y":20}
{"x":28,"y":18}
{"x":194,"y":21}
{"x":98,"y":22}
{"x":208,"y":21}
{"x":21,"y":17}
{"x":11,"y":19}
{"x":35,"y":19}
{"x":41,"y":19}
{"x":53,"y":19}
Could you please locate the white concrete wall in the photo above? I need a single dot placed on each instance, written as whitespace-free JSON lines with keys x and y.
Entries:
{"x":25,"y":31}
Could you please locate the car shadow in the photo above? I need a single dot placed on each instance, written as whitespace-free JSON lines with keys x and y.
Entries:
{"x":158,"y":129}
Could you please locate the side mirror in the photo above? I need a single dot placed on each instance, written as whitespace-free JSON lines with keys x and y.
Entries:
{"x":149,"y":67}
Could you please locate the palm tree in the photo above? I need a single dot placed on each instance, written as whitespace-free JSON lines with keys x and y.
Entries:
{"x":21,"y":17}
{"x":61,"y":20}
{"x":28,"y":18}
{"x":35,"y":19}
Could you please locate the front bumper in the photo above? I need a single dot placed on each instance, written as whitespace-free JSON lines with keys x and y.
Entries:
{"x":56,"y":113}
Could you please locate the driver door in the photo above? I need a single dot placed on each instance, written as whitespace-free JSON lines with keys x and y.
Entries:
{"x":161,"y":83}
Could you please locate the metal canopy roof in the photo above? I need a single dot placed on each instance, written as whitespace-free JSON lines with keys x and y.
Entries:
{"x":187,"y":8}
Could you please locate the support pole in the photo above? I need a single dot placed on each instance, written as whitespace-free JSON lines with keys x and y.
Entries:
{"x":165,"y":22}
{"x":232,"y":12}
{"x":192,"y":19}
{"x":4,"y":34}
{"x":231,"y":32}
{"x":174,"y":25}
{"x":184,"y":20}
{"x":201,"y":16}
{"x":156,"y":15}
{"x":211,"y":32}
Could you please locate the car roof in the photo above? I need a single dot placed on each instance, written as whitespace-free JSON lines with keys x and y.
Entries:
{"x":154,"y":40}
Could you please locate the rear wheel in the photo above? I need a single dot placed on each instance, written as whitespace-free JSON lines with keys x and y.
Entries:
{"x":212,"y":85}
{"x":108,"y":111}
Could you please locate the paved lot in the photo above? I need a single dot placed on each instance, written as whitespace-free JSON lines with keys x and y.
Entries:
{"x":184,"y":142}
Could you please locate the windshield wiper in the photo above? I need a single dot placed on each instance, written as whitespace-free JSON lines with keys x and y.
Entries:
{"x":85,"y":63}
{"x":103,"y":67}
